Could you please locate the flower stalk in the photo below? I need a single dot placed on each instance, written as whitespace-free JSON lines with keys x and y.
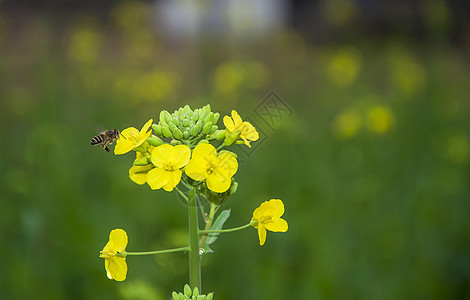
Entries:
{"x":194,"y":257}
{"x":225,"y":230}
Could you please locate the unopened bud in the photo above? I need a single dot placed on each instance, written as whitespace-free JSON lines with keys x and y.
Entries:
{"x":154,"y":140}
{"x":158,"y":129}
{"x":166,"y":131}
{"x":217,"y":135}
{"x":207,"y":127}
{"x":216,"y":118}
{"x":232,"y":137}
{"x":187,"y":290}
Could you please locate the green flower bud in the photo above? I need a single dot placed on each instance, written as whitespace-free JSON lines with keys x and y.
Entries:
{"x":233,"y":187}
{"x":203,"y":142}
{"x":186,"y":122}
{"x":196,"y":292}
{"x":187,"y":110}
{"x":154,"y":140}
{"x":209,"y":118}
{"x":200,"y":297}
{"x":175,"y":142}
{"x":174,"y":296}
{"x":216,"y":118}
{"x":158,"y":129}
{"x":204,"y":112}
{"x":217,"y":135}
{"x":195,"y":116}
{"x":210,"y":296}
{"x":207,"y":128}
{"x":213,"y":129}
{"x":165,"y":116}
{"x":196,"y":128}
{"x":191,"y":123}
{"x":143,"y":161}
{"x":166,"y":131}
{"x":175,"y":120}
{"x":231,"y":138}
{"x":186,"y":134}
{"x":177,"y":134}
{"x":187,"y":289}
{"x":142,"y":148}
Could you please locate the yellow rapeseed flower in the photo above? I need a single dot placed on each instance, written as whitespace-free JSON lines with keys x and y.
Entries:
{"x":216,"y":170}
{"x":168,"y":161}
{"x":380,"y":119}
{"x":247,"y":131}
{"x":268,"y":216}
{"x":131,"y":138}
{"x":114,"y":255}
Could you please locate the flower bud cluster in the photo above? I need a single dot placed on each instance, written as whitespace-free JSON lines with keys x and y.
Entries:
{"x":186,"y":124}
{"x":191,"y":294}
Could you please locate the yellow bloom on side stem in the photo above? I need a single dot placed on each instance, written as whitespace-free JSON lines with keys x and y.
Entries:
{"x":247,"y":131}
{"x":268,"y":216}
{"x":216,"y":170}
{"x":114,"y":255}
{"x":168,"y":161}
{"x":131,"y":138}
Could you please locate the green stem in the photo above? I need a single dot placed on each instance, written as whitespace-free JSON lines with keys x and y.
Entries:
{"x":158,"y":251}
{"x":224,"y":230}
{"x":181,"y":194}
{"x":220,"y":147}
{"x":208,"y":224}
{"x":194,"y":257}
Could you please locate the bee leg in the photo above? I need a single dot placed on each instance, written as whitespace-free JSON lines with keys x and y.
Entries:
{"x":105,"y":147}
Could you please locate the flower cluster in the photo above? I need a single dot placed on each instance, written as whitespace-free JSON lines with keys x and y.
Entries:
{"x":161,"y":165}
{"x":180,"y":149}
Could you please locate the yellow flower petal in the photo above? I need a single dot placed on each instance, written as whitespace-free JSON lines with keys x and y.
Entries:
{"x":261,"y":234}
{"x":156,"y":178}
{"x":161,"y":154}
{"x":197,"y":168}
{"x":228,"y":122}
{"x":180,"y":156}
{"x":117,"y":241}
{"x":116,"y":268}
{"x":205,"y":150}
{"x":273,"y":208}
{"x":138,"y":174}
{"x":123,"y":146}
{"x":146,"y":126}
{"x":174,"y":179}
{"x":278,"y":225}
{"x":249,"y":132}
{"x":237,"y":120}
{"x":227,"y":164}
{"x":218,"y":182}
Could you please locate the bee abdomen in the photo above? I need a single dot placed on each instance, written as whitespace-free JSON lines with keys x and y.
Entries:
{"x":97,"y":140}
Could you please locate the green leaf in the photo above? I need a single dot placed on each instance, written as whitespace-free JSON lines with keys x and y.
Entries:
{"x":217,"y":225}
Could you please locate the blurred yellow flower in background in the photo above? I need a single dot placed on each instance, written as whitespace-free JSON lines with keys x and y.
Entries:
{"x":347,"y":123}
{"x":268,"y":217}
{"x":114,"y":255}
{"x":168,"y":161}
{"x":216,"y":170}
{"x":380,"y":119}
{"x":343,"y":68}
{"x":247,"y":131}
{"x":132,"y":138}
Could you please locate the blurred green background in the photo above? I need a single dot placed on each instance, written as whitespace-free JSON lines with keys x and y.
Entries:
{"x":372,"y":164}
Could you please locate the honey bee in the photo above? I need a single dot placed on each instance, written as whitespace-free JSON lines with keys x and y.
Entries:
{"x":104,"y":138}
